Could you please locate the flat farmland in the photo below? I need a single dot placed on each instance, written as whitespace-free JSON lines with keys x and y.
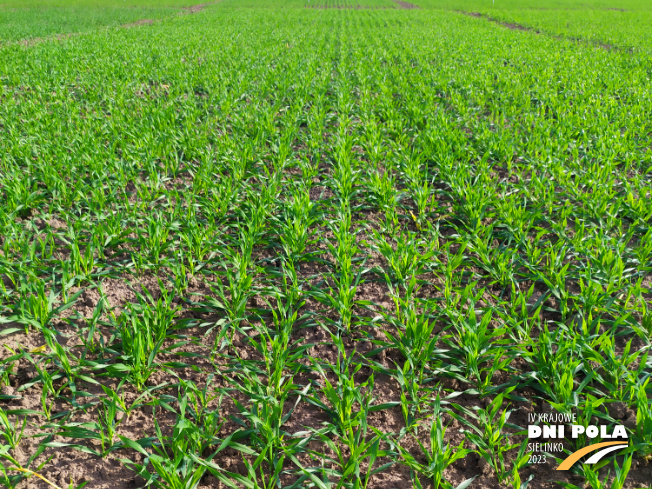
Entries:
{"x":324,"y":244}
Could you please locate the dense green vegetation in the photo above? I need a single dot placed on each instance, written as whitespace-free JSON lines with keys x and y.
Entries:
{"x":607,"y":28}
{"x":29,"y":24}
{"x":276,"y":246}
{"x":36,"y":19}
{"x":622,"y":25}
{"x":570,"y":6}
{"x":106,"y":4}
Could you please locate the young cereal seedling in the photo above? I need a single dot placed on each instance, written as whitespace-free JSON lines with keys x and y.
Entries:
{"x":488,"y":432}
{"x":348,"y":406}
{"x":12,"y":432}
{"x":438,"y":455}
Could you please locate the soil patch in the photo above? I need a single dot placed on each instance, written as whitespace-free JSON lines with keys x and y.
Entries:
{"x":37,"y":40}
{"x":344,"y":7}
{"x":513,"y":26}
{"x":197,"y":8}
{"x":509,"y":25}
{"x":406,"y":5}
{"x":139,"y":22}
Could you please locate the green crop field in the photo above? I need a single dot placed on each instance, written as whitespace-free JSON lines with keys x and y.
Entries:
{"x":325,"y":243}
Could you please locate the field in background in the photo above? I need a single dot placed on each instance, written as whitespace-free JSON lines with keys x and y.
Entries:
{"x":625,"y":25}
{"x":344,"y":243}
{"x":542,"y":6}
{"x":35,"y":19}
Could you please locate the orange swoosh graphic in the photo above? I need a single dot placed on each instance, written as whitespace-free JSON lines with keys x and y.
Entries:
{"x":574,"y":457}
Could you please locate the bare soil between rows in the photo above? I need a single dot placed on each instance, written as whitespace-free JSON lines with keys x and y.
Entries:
{"x":109,"y":473}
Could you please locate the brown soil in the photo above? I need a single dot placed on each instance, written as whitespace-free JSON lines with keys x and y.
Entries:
{"x":198,"y":8}
{"x":513,"y":26}
{"x":406,"y":5}
{"x":37,"y":40}
{"x":344,"y":7}
{"x":508,"y":25}
{"x":139,"y":22}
